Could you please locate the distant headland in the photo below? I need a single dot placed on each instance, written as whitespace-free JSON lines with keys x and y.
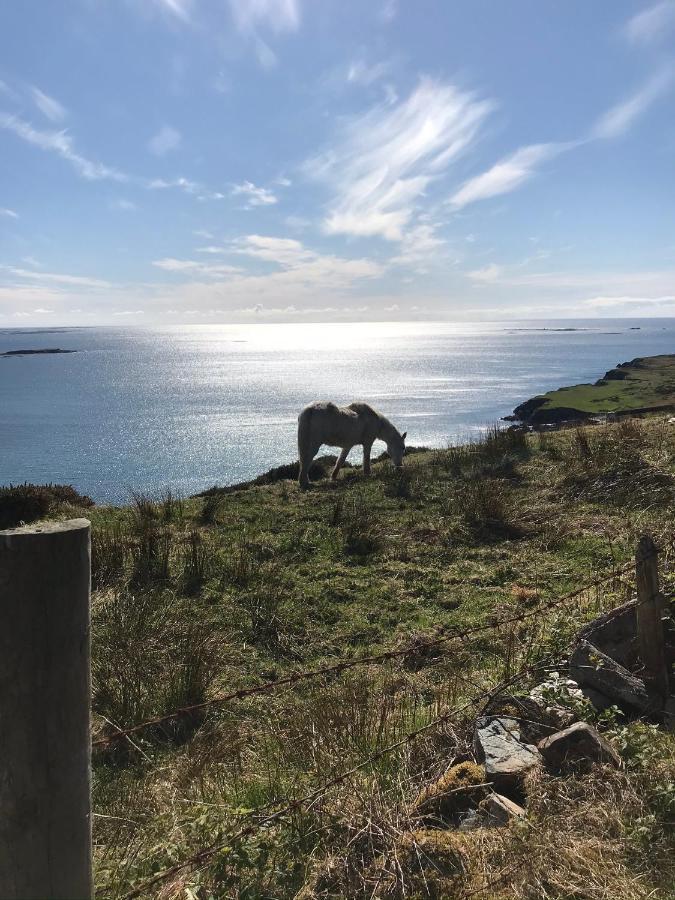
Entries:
{"x":645,"y":384}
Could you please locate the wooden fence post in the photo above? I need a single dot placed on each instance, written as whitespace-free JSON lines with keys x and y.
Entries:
{"x":650,"y":612}
{"x":45,"y":740}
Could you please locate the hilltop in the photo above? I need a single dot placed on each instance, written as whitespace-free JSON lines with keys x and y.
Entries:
{"x":202,"y":596}
{"x":646,"y":384}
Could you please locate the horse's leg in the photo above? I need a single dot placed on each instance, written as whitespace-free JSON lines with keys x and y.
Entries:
{"x":366,"y":457}
{"x":340,"y":462}
{"x":307,"y":455}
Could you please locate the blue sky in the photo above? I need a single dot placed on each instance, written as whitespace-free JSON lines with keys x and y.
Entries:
{"x":315,"y":160}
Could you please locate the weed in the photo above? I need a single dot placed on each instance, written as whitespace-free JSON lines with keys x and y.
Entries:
{"x":194,"y":559}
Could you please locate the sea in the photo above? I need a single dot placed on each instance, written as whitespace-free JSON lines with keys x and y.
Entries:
{"x":192,"y":406}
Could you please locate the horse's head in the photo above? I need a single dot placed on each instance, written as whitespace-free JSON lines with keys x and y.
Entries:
{"x":396,"y":448}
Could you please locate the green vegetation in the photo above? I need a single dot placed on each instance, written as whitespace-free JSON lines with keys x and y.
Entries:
{"x":196,"y":597}
{"x":645,"y":384}
{"x":25,"y":503}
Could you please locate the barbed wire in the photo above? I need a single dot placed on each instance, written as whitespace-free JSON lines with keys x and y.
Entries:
{"x":338,"y":668}
{"x":199,"y":860}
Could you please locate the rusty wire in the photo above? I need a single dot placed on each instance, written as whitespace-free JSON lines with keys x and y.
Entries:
{"x":336,"y":668}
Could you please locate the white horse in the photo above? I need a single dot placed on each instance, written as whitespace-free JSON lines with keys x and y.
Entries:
{"x":345,"y":427}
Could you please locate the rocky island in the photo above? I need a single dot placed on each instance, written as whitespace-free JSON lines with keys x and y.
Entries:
{"x":36,"y":352}
{"x":645,"y":384}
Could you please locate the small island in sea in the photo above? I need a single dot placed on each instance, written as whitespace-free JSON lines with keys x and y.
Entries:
{"x":40,"y":352}
{"x":645,"y":384}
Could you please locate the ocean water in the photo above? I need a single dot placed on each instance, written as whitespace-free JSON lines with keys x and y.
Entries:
{"x":188,"y":407}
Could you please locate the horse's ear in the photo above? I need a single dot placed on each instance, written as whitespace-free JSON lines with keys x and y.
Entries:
{"x":404,"y":435}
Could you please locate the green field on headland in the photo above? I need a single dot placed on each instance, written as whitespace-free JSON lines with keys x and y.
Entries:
{"x":643,"y":384}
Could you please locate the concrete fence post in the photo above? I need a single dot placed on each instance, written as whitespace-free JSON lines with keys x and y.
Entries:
{"x":45,"y":742}
{"x":650,"y":612}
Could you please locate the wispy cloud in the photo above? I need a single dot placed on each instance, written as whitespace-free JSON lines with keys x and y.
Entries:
{"x":652,"y":24}
{"x":519,"y":167}
{"x":8,"y":213}
{"x":361,"y":72}
{"x":48,"y":106}
{"x":279,"y":15}
{"x":122,"y":204}
{"x":194,"y":267}
{"x":285,"y":252}
{"x":297,"y":271}
{"x":382,"y":166}
{"x":505,"y":176}
{"x":163,"y":184}
{"x":617,"y":120}
{"x":165,"y":140}
{"x":56,"y":278}
{"x":61,"y":143}
{"x":255,"y":196}
{"x":179,"y":8}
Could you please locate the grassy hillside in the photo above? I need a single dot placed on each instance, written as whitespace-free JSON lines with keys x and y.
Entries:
{"x":646,"y":383}
{"x":198,"y":597}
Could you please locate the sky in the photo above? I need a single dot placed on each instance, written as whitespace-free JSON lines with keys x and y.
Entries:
{"x":172,"y":161}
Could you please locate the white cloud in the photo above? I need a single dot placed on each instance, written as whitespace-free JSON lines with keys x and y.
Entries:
{"x":419,"y":246}
{"x":360,"y":72}
{"x":284,"y":251}
{"x":48,"y":106}
{"x":166,"y":139}
{"x":617,"y":120}
{"x":382,"y":166}
{"x":161,"y":184}
{"x":178,"y":8}
{"x":387,"y":12}
{"x":9,"y":213}
{"x":194,"y":267}
{"x":61,"y":143}
{"x":56,"y":278}
{"x":623,"y":301}
{"x":629,"y":283}
{"x":122,"y":204}
{"x":31,"y":261}
{"x":299,"y":272}
{"x":211,"y":249}
{"x":279,"y":15}
{"x":506,"y":175}
{"x":256,"y":196}
{"x":652,"y":24}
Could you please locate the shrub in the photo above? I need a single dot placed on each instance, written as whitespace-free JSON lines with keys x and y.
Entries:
{"x":30,"y":502}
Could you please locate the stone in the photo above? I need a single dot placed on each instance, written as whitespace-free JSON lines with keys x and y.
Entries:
{"x":536,"y":718}
{"x":577,"y":744}
{"x":592,"y":668}
{"x":498,"y":744}
{"x":498,"y":810}
{"x":615,"y":634}
{"x":669,"y":714}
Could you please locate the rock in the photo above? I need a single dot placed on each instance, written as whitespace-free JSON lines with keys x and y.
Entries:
{"x":669,"y":714}
{"x":615,"y":633}
{"x":537,"y":719}
{"x":592,"y":668}
{"x":578,"y":743}
{"x":460,"y":788}
{"x":498,"y":810}
{"x":498,"y":743}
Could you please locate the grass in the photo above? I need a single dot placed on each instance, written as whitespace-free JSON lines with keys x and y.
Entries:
{"x":645,"y":383}
{"x":243,"y":586}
